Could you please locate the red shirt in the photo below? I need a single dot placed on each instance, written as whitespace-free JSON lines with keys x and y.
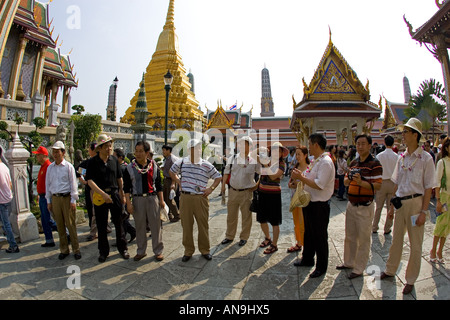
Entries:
{"x":40,"y":186}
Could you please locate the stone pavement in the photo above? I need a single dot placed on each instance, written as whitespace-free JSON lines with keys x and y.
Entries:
{"x":234,"y":273}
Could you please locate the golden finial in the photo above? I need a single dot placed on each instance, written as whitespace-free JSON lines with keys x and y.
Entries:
{"x":329,"y":29}
{"x":170,"y":14}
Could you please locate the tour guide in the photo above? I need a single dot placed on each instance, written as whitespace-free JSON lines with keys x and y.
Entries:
{"x":104,"y":176}
{"x":195,"y":173}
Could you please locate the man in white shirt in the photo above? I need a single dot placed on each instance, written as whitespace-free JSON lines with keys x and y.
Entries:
{"x":62,"y":195}
{"x":388,"y":160}
{"x":414,"y":176}
{"x":241,"y":169}
{"x":319,"y":182}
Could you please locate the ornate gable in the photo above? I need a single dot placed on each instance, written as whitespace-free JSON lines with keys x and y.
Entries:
{"x":335,"y":80}
{"x":220,"y":120}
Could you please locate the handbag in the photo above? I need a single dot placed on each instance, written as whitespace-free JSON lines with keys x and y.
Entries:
{"x":301,"y":198}
{"x":163,"y":213}
{"x":255,"y":200}
{"x":97,"y":199}
{"x":254,"y":204}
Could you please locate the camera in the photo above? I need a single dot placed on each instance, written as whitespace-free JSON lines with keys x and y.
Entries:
{"x":353,"y":172}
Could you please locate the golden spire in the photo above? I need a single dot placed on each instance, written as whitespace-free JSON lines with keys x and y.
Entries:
{"x":170,"y":15}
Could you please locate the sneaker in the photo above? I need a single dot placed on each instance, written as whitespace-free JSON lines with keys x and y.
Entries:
{"x":13,"y":250}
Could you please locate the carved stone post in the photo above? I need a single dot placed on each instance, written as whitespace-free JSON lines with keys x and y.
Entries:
{"x":23,"y":222}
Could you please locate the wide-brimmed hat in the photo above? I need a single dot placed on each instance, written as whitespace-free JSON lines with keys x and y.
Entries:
{"x":246,"y":138}
{"x":414,"y":124}
{"x":59,"y":145}
{"x":101,"y":140}
{"x":41,"y":150}
{"x":279,"y":145}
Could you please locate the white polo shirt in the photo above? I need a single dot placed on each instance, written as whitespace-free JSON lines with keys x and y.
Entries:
{"x":388,"y":160}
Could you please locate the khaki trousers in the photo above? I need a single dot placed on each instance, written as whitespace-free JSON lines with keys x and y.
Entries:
{"x":402,"y":223}
{"x":65,"y":218}
{"x":194,"y":207}
{"x":146,"y":212}
{"x":239,"y":200}
{"x":358,"y":236}
{"x":383,"y":196}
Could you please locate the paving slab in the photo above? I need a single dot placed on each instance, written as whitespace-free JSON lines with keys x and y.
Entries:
{"x":235,"y":272}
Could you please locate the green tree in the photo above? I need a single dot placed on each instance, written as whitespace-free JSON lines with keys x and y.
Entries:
{"x":431,"y":99}
{"x":79,"y":109}
{"x":87,"y":129}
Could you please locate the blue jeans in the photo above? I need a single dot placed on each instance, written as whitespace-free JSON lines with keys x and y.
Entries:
{"x":5,"y":211}
{"x":47,"y":222}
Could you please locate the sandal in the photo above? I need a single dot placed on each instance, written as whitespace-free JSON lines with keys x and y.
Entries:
{"x":265,"y":243}
{"x":271,"y":249}
{"x":294,"y":248}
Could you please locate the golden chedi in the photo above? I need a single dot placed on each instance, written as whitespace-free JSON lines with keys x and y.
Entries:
{"x":183,"y":107}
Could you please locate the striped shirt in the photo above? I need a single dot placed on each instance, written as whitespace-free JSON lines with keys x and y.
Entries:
{"x":372,"y":172}
{"x":194,"y":176}
{"x":267,"y":185}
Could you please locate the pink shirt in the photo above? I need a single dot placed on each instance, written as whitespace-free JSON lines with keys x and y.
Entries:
{"x":5,"y":184}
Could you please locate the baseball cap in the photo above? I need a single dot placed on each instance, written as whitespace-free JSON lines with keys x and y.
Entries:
{"x":41,"y":150}
{"x":59,"y":145}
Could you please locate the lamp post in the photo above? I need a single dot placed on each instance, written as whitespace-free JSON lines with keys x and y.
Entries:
{"x":113,"y":115}
{"x":168,"y":78}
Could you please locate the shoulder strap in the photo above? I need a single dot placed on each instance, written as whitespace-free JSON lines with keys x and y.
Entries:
{"x":444,"y":177}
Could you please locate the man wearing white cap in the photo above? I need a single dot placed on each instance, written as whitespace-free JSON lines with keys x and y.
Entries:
{"x":62,"y":195}
{"x":241,"y":170}
{"x":414,"y":177}
{"x":195,"y":173}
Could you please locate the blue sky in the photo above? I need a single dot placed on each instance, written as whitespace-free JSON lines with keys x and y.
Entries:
{"x":227,"y":43}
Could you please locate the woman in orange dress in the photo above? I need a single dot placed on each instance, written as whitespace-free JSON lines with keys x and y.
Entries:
{"x":301,"y":154}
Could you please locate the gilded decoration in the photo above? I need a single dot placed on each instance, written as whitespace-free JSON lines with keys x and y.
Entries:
{"x":220,"y":120}
{"x":334,"y":82}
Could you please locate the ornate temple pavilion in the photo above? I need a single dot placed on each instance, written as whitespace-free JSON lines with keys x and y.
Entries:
{"x":334,"y":101}
{"x":183,"y":106}
{"x":435,"y":36}
{"x":32,"y":65}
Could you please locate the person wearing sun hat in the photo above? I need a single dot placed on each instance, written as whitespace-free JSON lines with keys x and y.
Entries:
{"x":47,"y":222}
{"x":414,"y":178}
{"x":194,"y":204}
{"x":240,"y":169}
{"x":104,"y":176}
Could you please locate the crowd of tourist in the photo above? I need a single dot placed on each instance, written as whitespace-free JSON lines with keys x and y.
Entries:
{"x":367,"y":176}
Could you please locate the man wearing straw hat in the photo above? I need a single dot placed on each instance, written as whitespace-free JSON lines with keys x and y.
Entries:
{"x":241,"y":169}
{"x":414,"y":177}
{"x":104,"y":176}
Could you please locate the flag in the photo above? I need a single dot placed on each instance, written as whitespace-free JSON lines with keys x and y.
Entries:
{"x":233,"y":107}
